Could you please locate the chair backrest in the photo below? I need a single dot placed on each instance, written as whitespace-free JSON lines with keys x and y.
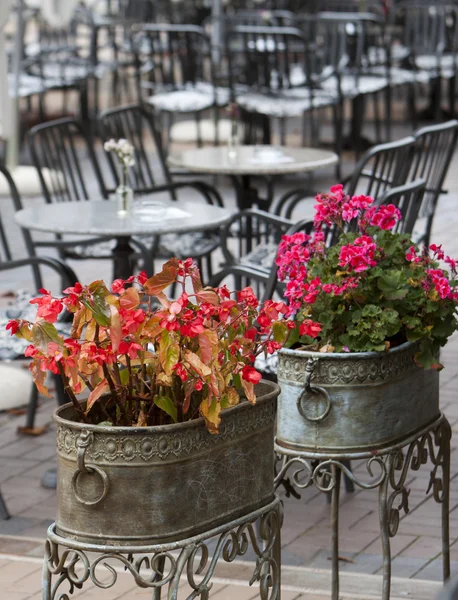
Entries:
{"x":8,"y":231}
{"x":329,"y":47}
{"x":266,"y":59}
{"x":381,"y":168}
{"x":434,"y":148}
{"x":66,"y":162}
{"x":260,"y":271}
{"x":178,"y":55}
{"x":250,"y":18}
{"x":408,"y":198}
{"x":141,"y":11}
{"x":135,"y":124}
{"x":427,"y":27}
{"x":365,"y":38}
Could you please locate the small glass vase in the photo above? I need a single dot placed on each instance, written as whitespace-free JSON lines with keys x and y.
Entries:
{"x":124,"y":199}
{"x":233,"y":142}
{"x":124,"y":196}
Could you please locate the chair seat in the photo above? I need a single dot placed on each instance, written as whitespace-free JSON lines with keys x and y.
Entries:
{"x":353,"y":86}
{"x":60,"y":74}
{"x":290,"y":103}
{"x":188,"y":131}
{"x":195,"y":244}
{"x":29,"y":85}
{"x":261,"y":257}
{"x":12,"y":347}
{"x":445,"y":66}
{"x":399,"y":76}
{"x":267,"y":365}
{"x":398,"y":53}
{"x":193,"y":99}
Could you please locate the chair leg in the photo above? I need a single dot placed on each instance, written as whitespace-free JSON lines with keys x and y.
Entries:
{"x":4,"y":514}
{"x":451,"y":96}
{"x":32,"y":407}
{"x":412,"y":105}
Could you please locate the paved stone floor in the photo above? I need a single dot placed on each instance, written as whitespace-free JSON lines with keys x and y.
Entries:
{"x":306,"y":533}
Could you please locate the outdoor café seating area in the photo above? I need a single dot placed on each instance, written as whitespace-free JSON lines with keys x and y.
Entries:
{"x":145,"y":141}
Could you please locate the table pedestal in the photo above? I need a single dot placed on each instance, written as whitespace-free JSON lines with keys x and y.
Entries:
{"x":388,"y":469}
{"x":123,"y":259}
{"x":162,"y":567}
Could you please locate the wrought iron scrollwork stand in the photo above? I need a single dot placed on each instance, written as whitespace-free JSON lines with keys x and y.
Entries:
{"x":388,"y":469}
{"x":162,"y":567}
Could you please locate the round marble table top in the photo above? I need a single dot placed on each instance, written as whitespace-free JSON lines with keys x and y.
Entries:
{"x":253,"y":160}
{"x":99,"y":217}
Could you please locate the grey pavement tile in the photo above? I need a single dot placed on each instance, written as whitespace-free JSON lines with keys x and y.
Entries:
{"x":404,"y":566}
{"x":433,"y":570}
{"x":17,"y":525}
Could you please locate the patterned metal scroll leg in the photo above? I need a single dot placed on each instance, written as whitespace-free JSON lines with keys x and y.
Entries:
{"x":445,"y":441}
{"x":276,"y":555}
{"x":335,"y":495}
{"x":46,"y":580}
{"x":384,"y":514}
{"x":157,"y":593}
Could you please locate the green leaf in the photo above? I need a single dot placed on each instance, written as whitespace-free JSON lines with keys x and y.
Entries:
{"x":124,"y":376}
{"x":43,"y":333}
{"x":210,"y":412}
{"x":168,"y":351}
{"x":444,"y":327}
{"x":280,"y":332}
{"x":428,"y":361}
{"x":99,"y":309}
{"x":394,"y":285}
{"x":293,"y":337}
{"x":167,"y":405}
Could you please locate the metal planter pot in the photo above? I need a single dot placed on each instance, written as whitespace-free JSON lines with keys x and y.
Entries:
{"x":131,"y":486}
{"x":353,"y":402}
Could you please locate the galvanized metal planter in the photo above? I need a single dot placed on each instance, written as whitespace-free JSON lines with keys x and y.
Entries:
{"x":350,"y":402}
{"x":132,"y":486}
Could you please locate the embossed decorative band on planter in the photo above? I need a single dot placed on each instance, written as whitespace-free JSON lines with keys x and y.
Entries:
{"x":353,"y":401}
{"x":147,"y":485}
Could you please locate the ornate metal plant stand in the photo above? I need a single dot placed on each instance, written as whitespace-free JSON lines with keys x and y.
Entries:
{"x":161,"y":567}
{"x":388,"y":468}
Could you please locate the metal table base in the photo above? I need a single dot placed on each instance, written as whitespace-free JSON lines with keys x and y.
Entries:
{"x":388,"y":469}
{"x":163,"y":567}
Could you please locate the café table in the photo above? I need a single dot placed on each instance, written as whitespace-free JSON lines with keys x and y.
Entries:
{"x":249,"y":161}
{"x":100,"y":218}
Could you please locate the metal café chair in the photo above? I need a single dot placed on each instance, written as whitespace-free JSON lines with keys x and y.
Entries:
{"x":432,"y":155}
{"x":431,"y":34}
{"x":12,"y":348}
{"x":378,"y":170}
{"x":272,"y":72}
{"x":174,"y":66}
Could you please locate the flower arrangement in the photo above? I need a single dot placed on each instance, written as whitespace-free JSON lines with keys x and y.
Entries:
{"x":373,"y":290}
{"x":125,"y":154}
{"x":142,"y":365}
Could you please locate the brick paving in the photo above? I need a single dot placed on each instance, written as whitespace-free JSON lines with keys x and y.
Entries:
{"x":306,"y":533}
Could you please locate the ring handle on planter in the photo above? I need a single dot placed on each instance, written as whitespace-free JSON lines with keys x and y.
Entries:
{"x":312,"y":389}
{"x":83,"y":441}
